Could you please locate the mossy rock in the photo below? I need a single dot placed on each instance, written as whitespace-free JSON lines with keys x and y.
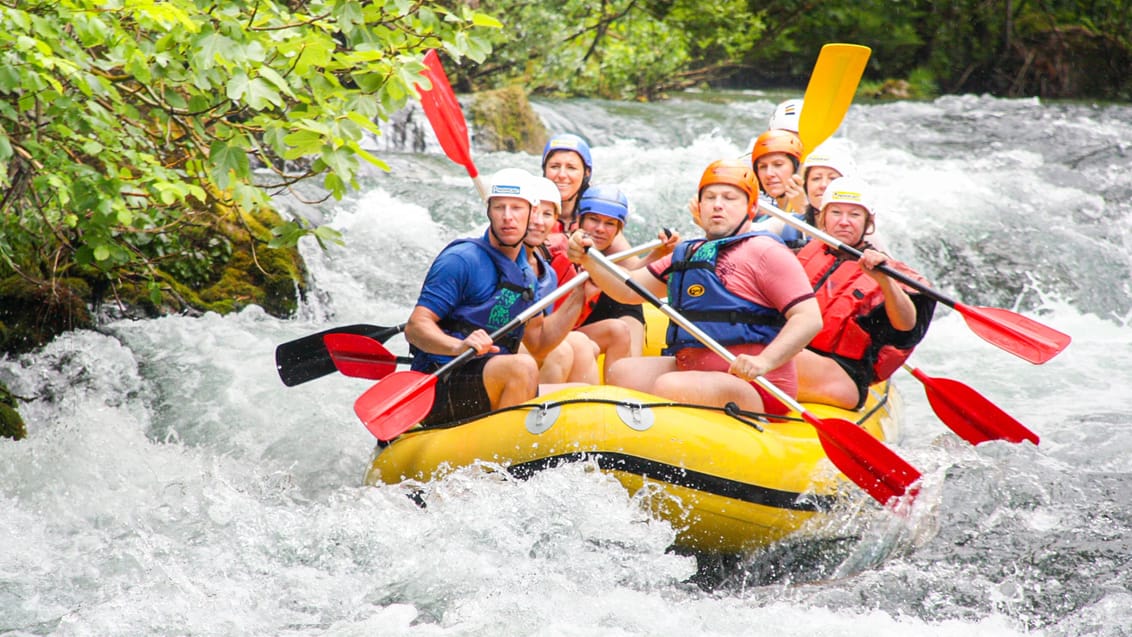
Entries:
{"x":272,"y":278}
{"x":249,"y":274}
{"x":33,"y":313}
{"x":504,"y":120}
{"x":11,"y":424}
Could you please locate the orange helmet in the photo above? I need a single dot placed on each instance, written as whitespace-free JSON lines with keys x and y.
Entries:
{"x":733,"y":172}
{"x":777,"y":141}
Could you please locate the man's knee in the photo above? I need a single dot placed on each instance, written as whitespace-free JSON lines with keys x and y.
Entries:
{"x":520,"y":369}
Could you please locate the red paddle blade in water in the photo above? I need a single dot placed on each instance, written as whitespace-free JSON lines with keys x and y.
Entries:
{"x":1024,"y":337}
{"x":396,"y":403}
{"x":865,"y":460}
{"x":969,"y":414}
{"x":359,"y":356}
{"x":443,"y":112}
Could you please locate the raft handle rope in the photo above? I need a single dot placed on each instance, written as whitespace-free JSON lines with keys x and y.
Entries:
{"x":731,"y":410}
{"x":746,"y":417}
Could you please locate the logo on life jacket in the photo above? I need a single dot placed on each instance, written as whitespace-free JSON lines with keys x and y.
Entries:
{"x":696,"y":290}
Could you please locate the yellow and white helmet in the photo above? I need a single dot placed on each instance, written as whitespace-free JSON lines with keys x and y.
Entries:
{"x":851,"y":190}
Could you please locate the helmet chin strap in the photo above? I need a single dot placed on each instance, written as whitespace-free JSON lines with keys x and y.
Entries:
{"x":509,"y":245}
{"x":491,"y":229}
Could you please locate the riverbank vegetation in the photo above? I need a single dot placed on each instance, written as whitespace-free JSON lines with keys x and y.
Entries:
{"x":644,"y":49}
{"x":142,"y":142}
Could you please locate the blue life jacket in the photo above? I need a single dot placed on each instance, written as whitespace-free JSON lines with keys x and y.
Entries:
{"x":794,"y":238}
{"x":515,"y":291}
{"x":696,"y":291}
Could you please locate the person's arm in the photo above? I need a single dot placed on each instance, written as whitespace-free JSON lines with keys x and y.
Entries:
{"x":422,"y":330}
{"x":611,"y":283}
{"x":803,"y":322}
{"x":898,"y":306}
{"x":543,"y":333}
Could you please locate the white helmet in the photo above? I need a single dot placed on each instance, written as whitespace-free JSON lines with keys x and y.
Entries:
{"x":849,"y":190}
{"x":833,"y":155}
{"x":547,"y":192}
{"x":786,"y":115}
{"x":513,"y":182}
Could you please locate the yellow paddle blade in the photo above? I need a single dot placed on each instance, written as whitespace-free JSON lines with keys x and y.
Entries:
{"x":830,"y":92}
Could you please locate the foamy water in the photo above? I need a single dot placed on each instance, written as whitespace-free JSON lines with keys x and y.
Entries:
{"x":172,"y":485}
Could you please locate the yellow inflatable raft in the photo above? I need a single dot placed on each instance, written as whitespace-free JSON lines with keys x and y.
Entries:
{"x":728,"y":482}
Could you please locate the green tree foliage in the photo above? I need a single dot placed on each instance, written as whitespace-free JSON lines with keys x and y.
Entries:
{"x":127,"y":124}
{"x":620,"y":49}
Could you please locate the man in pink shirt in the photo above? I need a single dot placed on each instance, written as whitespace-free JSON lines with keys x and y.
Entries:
{"x":744,"y":289}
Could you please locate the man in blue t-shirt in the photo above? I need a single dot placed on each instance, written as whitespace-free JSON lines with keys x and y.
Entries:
{"x":474,"y":287}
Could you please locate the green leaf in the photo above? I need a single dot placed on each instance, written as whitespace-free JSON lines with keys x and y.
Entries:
{"x":484,"y":20}
{"x":225,"y":159}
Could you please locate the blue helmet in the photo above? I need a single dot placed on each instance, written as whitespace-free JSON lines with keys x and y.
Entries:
{"x":568,"y":141}
{"x":604,"y":200}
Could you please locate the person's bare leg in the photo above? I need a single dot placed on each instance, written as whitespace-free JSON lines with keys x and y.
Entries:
{"x":555,"y":368}
{"x":636,"y":335}
{"x":708,"y":388}
{"x":584,"y":368}
{"x":612,"y":338}
{"x":640,"y":373}
{"x":510,"y":379}
{"x":822,"y":380}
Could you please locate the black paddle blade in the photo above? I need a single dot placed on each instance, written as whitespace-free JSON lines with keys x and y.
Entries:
{"x":306,"y":358}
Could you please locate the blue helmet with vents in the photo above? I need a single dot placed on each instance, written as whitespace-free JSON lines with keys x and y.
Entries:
{"x":604,"y":200}
{"x":571,"y":142}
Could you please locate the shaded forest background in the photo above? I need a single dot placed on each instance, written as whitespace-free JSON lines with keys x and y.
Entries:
{"x":643,"y":49}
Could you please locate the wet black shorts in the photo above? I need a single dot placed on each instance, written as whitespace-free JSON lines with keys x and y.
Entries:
{"x":460,"y":395}
{"x":607,"y":308}
{"x":857,"y":371}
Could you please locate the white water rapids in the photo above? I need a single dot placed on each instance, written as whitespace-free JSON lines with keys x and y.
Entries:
{"x":170,"y":484}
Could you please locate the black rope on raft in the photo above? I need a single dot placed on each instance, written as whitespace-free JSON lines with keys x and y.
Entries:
{"x":734,"y":412}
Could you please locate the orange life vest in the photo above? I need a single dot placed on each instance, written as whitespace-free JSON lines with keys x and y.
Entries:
{"x":847,"y":295}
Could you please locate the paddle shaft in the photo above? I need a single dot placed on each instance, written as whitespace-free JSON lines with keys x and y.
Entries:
{"x":833,"y":242}
{"x":541,"y":305}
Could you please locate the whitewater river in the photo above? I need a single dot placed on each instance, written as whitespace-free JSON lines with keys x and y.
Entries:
{"x":171,"y":485}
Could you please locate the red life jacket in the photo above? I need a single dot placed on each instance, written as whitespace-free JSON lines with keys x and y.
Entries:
{"x":566,"y":270}
{"x":847,"y":295}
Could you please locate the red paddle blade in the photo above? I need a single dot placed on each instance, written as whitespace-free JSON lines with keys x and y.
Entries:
{"x":444,"y":114}
{"x":360,"y":356}
{"x":1021,"y":336}
{"x":864,"y":459}
{"x":969,"y":414}
{"x":396,"y":403}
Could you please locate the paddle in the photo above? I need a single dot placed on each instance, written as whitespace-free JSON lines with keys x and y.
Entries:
{"x":399,"y":401}
{"x":968,"y":413}
{"x":359,"y":356}
{"x":863,"y":459}
{"x":307,"y":358}
{"x":443,"y":112}
{"x":1024,"y":337}
{"x":833,"y":83}
{"x":828,"y":95}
